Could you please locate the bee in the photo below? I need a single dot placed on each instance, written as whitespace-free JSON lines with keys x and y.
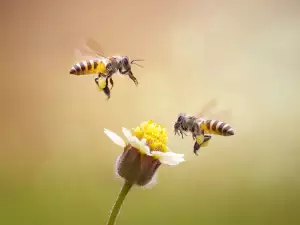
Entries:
{"x":94,"y":66}
{"x":104,"y":66}
{"x":201,"y":129}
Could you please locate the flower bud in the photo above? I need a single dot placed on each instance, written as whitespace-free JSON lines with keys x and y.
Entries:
{"x":135,"y":167}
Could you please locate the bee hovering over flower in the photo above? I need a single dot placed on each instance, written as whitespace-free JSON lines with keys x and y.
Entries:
{"x":104,"y":66}
{"x":201,"y":128}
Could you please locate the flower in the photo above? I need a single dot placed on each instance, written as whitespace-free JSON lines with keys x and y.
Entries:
{"x":145,"y":150}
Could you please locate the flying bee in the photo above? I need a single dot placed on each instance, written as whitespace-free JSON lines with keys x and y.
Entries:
{"x":201,"y":129}
{"x":122,"y":65}
{"x":109,"y":66}
{"x":91,"y":66}
{"x":94,"y":66}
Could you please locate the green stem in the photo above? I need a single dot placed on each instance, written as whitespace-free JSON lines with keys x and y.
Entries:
{"x":116,"y":209}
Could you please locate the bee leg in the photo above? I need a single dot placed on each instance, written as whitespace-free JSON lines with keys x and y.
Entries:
{"x":206,"y":138}
{"x":203,"y":144}
{"x":107,"y":92}
{"x":175,"y":132}
{"x":106,"y":89}
{"x":97,"y":78}
{"x":181,"y":132}
{"x":196,"y":148}
{"x":124,"y":72}
{"x":130,"y":74}
{"x":101,"y":75}
{"x":194,"y":136}
{"x":112,"y":83}
{"x":96,"y":81}
{"x":205,"y":141}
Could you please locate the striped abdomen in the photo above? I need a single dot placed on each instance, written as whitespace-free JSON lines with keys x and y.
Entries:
{"x":217,"y":127}
{"x":88,"y":67}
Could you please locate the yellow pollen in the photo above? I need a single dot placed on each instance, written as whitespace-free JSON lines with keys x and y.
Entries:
{"x":102,"y":83}
{"x":155,"y":135}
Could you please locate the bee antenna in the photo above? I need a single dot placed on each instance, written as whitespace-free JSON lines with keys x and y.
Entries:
{"x":138,"y":65}
{"x":137,"y":60}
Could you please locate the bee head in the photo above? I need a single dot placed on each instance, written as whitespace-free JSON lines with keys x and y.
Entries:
{"x":178,"y":122}
{"x":125,"y":63}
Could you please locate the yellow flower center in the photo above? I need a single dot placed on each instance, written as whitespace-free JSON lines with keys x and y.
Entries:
{"x":155,"y":135}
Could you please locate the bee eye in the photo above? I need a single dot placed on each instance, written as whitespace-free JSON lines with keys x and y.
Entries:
{"x":125,"y":61}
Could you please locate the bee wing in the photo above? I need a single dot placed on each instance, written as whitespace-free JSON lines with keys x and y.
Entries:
{"x":88,"y":50}
{"x":208,"y":111}
{"x":221,"y":115}
{"x":92,"y":45}
{"x":81,"y":55}
{"x":208,"y":107}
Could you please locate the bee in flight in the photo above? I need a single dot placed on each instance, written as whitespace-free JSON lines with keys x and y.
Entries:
{"x":91,"y":67}
{"x":201,"y":129}
{"x":104,"y":66}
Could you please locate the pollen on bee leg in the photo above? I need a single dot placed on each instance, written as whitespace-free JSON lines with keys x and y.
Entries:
{"x":101,"y":83}
{"x":136,"y":168}
{"x":204,"y":144}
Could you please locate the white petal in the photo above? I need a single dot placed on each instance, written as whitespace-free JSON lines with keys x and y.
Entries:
{"x":173,"y":154}
{"x":168,"y":149}
{"x":169,"y":158}
{"x":140,"y":145}
{"x":127,"y":133}
{"x":144,"y":147}
{"x":115,"y":138}
{"x":134,"y":142}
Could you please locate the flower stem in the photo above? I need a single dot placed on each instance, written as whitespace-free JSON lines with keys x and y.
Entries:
{"x":116,"y":209}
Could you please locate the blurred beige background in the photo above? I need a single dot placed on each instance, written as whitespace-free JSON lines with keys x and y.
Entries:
{"x":56,"y":165}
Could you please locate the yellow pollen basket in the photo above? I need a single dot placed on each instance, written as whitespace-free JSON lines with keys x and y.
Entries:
{"x":200,"y":139}
{"x":102,"y":83}
{"x":155,"y":135}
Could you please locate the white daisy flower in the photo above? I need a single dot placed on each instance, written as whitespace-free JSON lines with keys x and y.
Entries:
{"x":144,"y":151}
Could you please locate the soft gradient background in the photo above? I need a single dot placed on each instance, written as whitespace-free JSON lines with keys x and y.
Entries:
{"x":57,"y":166}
